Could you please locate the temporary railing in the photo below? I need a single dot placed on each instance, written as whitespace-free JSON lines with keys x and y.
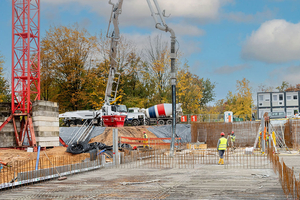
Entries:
{"x":147,"y":141}
{"x":290,"y":184}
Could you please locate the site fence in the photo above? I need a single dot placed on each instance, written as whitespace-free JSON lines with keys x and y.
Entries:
{"x":161,"y":159}
{"x":189,"y":118}
{"x":24,"y":172}
{"x":287,"y":178}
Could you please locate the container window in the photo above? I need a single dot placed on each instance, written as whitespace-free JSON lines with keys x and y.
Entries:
{"x":275,"y":98}
{"x":261,"y":97}
{"x":295,"y":97}
{"x":280,"y":97}
{"x":288,"y":98}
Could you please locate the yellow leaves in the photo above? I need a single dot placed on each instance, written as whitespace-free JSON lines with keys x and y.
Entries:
{"x":189,"y":91}
{"x":241,"y":102}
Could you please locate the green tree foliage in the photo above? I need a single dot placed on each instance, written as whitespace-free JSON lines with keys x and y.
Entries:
{"x":69,"y":78}
{"x":4,"y":87}
{"x":241,"y":102}
{"x":64,"y":53}
{"x":208,"y":93}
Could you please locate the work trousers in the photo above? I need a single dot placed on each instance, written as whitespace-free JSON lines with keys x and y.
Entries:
{"x":221,"y":153}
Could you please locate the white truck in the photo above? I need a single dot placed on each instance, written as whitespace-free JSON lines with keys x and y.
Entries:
{"x":160,"y":114}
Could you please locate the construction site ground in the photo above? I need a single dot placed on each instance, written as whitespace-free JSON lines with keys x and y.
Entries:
{"x":202,"y":182}
{"x":12,"y":155}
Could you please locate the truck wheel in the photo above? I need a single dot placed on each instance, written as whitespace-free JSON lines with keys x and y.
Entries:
{"x":72,"y":123}
{"x":161,"y":122}
{"x":147,"y":122}
{"x":135,"y":122}
{"x":169,"y":122}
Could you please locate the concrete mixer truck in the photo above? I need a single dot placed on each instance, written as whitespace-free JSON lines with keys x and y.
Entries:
{"x":160,"y":114}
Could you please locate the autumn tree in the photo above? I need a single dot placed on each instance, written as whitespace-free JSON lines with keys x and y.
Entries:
{"x":264,"y":88}
{"x":189,"y":91}
{"x":64,"y":52}
{"x":157,"y":69}
{"x":284,"y":85}
{"x":241,"y":102}
{"x":293,"y":88}
{"x":4,"y":87}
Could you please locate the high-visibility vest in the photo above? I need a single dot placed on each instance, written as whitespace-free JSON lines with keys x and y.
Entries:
{"x":232,"y":138}
{"x":222,"y":144}
{"x":145,"y":136}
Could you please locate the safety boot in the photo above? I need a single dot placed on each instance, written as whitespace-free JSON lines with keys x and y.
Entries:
{"x":219,"y":161}
{"x":222,"y":161}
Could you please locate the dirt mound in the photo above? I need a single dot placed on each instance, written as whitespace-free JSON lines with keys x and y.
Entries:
{"x":12,"y":155}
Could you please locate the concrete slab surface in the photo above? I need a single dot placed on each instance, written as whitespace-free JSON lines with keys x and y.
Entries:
{"x":202,"y":182}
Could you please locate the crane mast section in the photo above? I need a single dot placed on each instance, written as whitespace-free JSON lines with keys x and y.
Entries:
{"x":115,"y":37}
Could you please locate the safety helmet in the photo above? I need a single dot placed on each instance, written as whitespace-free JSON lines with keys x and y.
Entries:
{"x":144,"y":132}
{"x":232,"y":132}
{"x":134,"y":148}
{"x":222,"y":134}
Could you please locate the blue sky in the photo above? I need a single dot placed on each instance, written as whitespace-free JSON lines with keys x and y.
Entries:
{"x":223,"y":40}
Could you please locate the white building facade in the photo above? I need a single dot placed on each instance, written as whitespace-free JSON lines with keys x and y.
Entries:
{"x":287,"y":102}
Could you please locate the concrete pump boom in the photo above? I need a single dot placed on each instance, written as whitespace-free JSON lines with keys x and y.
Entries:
{"x":115,"y":36}
{"x":164,"y":27}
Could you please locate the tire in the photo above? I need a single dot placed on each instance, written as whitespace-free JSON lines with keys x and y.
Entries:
{"x":147,"y":122}
{"x":135,"y":122}
{"x":78,"y":148}
{"x":161,"y":122}
{"x":72,"y":123}
{"x":169,"y":122}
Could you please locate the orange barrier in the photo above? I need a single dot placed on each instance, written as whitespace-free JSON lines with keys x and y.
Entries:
{"x":146,"y":139}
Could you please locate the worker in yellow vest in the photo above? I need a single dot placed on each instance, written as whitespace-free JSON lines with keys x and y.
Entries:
{"x":145,"y":136}
{"x":221,"y":147}
{"x":232,"y":138}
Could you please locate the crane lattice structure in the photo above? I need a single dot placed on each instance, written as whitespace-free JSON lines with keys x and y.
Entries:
{"x":25,"y":87}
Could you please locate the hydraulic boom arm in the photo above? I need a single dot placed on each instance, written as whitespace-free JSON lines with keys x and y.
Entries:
{"x":115,"y":36}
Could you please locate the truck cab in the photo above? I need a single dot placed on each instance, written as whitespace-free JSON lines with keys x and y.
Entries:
{"x":135,"y":118}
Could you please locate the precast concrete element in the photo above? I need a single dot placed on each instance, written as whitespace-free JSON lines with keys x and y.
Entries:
{"x":46,"y":123}
{"x":7,"y":133}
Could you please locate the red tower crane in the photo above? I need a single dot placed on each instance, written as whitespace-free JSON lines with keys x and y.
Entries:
{"x":25,"y":85}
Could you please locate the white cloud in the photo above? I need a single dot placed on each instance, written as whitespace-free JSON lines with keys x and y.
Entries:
{"x":290,"y":74}
{"x":186,"y":29}
{"x":186,"y":47}
{"x":230,"y":69}
{"x":258,"y":17}
{"x":276,"y":41}
{"x":137,"y":13}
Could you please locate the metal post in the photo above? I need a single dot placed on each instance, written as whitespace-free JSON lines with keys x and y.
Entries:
{"x":262,"y":135}
{"x":37,"y":158}
{"x":115,"y":147}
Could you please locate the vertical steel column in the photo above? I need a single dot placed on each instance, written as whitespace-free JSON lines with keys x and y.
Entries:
{"x":262,"y":141}
{"x":115,"y":147}
{"x":173,"y":82}
{"x":164,"y":27}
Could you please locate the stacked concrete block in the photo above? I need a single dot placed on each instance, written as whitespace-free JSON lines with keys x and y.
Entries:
{"x":7,"y":134}
{"x":46,"y":123}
